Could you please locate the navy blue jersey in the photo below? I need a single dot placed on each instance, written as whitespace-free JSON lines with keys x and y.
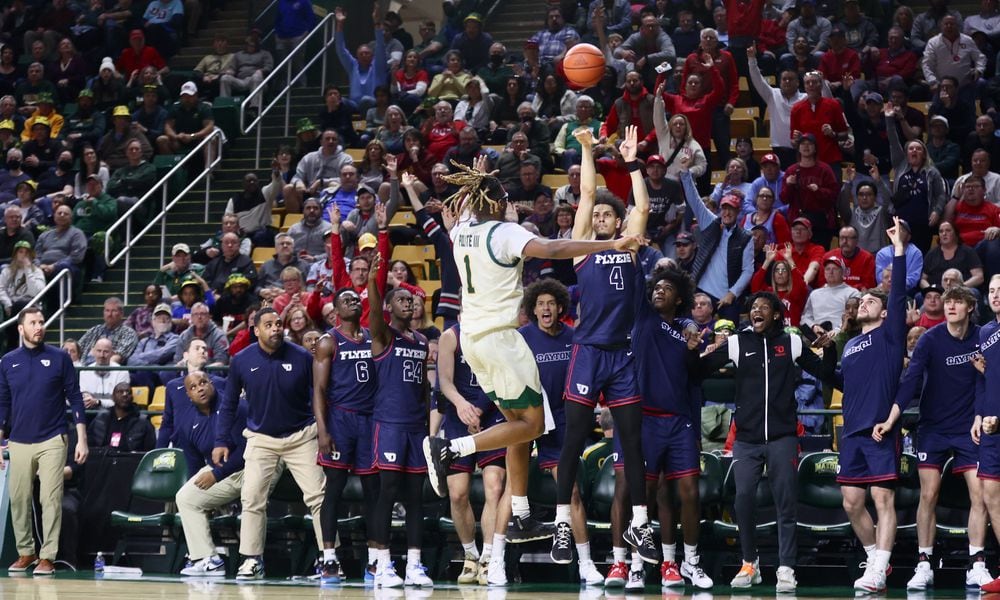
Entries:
{"x":873,"y":361}
{"x":552,"y":354}
{"x":989,"y":336}
{"x":278,"y":390}
{"x":195,"y":435}
{"x":36,"y":385}
{"x":400,"y":370}
{"x":352,"y":374}
{"x":950,"y":387}
{"x":465,"y":381}
{"x":606,"y":283}
{"x":661,"y":356}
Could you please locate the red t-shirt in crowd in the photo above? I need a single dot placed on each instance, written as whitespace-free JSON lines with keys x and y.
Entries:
{"x":808,"y":118}
{"x":972,"y":221}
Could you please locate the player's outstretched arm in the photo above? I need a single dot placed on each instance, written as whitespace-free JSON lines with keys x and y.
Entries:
{"x":638,"y":218}
{"x":321,"y":378}
{"x":582,"y":228}
{"x":376,"y":316}
{"x":563,"y":249}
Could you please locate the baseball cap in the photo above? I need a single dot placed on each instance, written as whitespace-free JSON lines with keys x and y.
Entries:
{"x":181,"y":248}
{"x":136,"y":34}
{"x":874,"y":97}
{"x":86,"y":93}
{"x":304,"y":125}
{"x":730,"y":200}
{"x":189,"y":89}
{"x":367,"y":241}
{"x":656,"y":158}
{"x":683,"y":239}
{"x":364,"y":187}
{"x":7,"y":124}
{"x":473,"y":17}
{"x":807,"y":137}
{"x":162,"y":308}
{"x":931,"y":288}
{"x":837,"y":31}
{"x":190,"y":281}
{"x":45,"y":97}
{"x":121,"y":111}
{"x":236,"y":279}
{"x":725,"y":325}
{"x":28,"y":182}
{"x":935,"y":118}
{"x":41,"y":121}
{"x":23,"y":244}
{"x":803,"y":222}
{"x":149,"y":87}
{"x":835,"y":260}
{"x":770,"y":157}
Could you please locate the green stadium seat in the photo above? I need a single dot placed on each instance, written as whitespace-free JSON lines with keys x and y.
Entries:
{"x":819,"y":490}
{"x":953,"y":504}
{"x":602,"y":495}
{"x":907,"y":497}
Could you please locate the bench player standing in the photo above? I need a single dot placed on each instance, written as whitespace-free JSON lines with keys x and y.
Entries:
{"x":400,"y":421}
{"x":602,"y":362}
{"x":488,"y":251}
{"x":950,"y":388}
{"x":545,"y":303}
{"x":986,"y":420}
{"x":869,"y":377}
{"x":343,"y":400}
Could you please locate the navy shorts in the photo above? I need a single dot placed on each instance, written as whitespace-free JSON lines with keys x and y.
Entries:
{"x":351,"y":433}
{"x":989,"y":457}
{"x":550,"y":447}
{"x":670,"y":447}
{"x":864,"y":461}
{"x":934,"y":449}
{"x":399,"y":448}
{"x":594,"y":371}
{"x":455,"y":428}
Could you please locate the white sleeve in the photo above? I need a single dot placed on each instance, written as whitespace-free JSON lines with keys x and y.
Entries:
{"x":734,"y":349}
{"x":506,"y":242}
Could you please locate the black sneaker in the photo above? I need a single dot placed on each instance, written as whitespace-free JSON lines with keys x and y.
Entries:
{"x":641,"y":538}
{"x":528,"y":529}
{"x":439,"y":456}
{"x":330,"y":572}
{"x":562,"y":544}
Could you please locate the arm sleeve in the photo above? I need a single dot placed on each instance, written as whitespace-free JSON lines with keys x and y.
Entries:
{"x":236,"y":460}
{"x":338,"y":270}
{"x":227,"y":408}
{"x":71,"y":388}
{"x":346,"y":60}
{"x":701,"y":212}
{"x":741,"y":284}
{"x":5,"y":402}
{"x":822,"y":369}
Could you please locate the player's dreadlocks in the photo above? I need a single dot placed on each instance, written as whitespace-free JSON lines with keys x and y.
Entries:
{"x":478,"y":191}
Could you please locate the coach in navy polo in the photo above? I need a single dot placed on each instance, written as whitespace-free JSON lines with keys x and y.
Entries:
{"x":277,"y":380}
{"x":36,"y":382}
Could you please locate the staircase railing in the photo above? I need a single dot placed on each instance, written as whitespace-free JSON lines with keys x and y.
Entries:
{"x":163,"y":187}
{"x":64,"y":281}
{"x":325,"y":28}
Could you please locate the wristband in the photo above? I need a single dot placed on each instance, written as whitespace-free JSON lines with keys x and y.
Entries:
{"x":633,"y":166}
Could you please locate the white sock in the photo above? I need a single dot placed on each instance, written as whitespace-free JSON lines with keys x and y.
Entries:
{"x":669,"y":552}
{"x":583,"y":551}
{"x":636,"y":561}
{"x":869,"y":550}
{"x":880,"y":558}
{"x":372,"y":555}
{"x":412,"y":557}
{"x":382,"y":561}
{"x":619,"y":553}
{"x":471,"y":550}
{"x":487,"y":551}
{"x":562,"y":513}
{"x":691,"y":554}
{"x":499,"y":546}
{"x":329,"y":554}
{"x":928,"y":550}
{"x":639,"y":515}
{"x":463,"y":446}
{"x":974,"y":550}
{"x":519,"y":506}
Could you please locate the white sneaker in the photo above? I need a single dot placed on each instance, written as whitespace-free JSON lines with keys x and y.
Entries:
{"x":496,"y":573}
{"x":484,"y":569}
{"x":416,"y":574}
{"x":252,"y":568}
{"x":696,"y":575}
{"x":385,"y":576}
{"x":978,"y":575}
{"x":636,"y":580}
{"x":748,"y":575}
{"x":210,"y":566}
{"x":872,"y":581}
{"x":923,"y":577}
{"x":786,"y":581}
{"x":470,"y":571}
{"x":589,"y":574}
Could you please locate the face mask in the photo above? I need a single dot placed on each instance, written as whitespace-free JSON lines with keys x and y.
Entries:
{"x":65,"y":165}
{"x":14,"y":164}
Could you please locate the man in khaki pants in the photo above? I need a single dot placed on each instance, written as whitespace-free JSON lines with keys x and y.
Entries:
{"x":36,"y":382}
{"x":211,"y":487}
{"x":276,"y":378}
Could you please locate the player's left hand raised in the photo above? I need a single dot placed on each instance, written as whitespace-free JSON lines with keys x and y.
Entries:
{"x":630,"y":145}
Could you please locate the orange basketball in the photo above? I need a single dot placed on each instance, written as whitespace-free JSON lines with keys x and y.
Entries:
{"x":584,"y":65}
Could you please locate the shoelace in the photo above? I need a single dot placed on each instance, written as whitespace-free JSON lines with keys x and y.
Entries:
{"x":646,"y":536}
{"x":563,"y":536}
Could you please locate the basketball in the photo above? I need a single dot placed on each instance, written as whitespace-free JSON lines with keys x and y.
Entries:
{"x":584,"y":65}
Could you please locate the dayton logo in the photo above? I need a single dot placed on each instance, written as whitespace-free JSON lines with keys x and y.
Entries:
{"x":389,"y":456}
{"x":46,"y":362}
{"x":583,"y":389}
{"x":287,"y":367}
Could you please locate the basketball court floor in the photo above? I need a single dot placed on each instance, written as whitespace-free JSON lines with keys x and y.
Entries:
{"x":84,"y":585}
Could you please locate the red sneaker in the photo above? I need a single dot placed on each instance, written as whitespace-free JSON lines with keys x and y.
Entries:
{"x":617,"y":576}
{"x":670,"y":574}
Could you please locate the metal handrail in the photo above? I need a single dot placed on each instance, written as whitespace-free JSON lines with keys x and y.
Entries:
{"x":260,"y":16}
{"x":64,"y":279}
{"x":326,"y":27}
{"x":163,"y":185}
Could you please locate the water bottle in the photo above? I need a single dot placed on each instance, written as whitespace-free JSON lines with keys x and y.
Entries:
{"x":908,"y":444}
{"x":99,"y":563}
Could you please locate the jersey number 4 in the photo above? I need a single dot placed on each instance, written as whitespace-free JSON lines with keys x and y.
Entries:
{"x":413,"y":371}
{"x":615,"y":279}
